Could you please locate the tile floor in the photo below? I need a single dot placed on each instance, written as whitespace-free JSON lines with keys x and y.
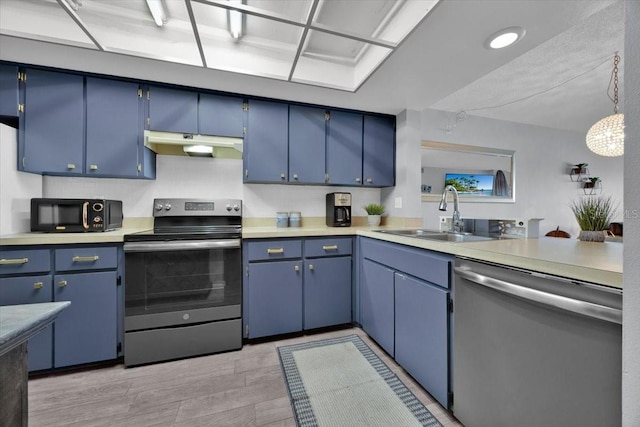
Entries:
{"x":240,"y":388}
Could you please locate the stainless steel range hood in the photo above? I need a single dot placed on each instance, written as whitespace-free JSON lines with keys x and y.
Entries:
{"x":186,"y":144}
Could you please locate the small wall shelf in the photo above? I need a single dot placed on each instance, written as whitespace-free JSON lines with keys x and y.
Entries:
{"x":579,"y":174}
{"x":592,"y":188}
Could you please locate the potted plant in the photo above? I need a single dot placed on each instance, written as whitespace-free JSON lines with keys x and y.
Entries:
{"x":592,"y":182}
{"x":374,"y":212}
{"x":580,"y":168}
{"x":593,"y":213}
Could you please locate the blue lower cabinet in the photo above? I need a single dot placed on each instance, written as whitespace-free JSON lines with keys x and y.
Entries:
{"x":87,"y":330}
{"x":31,"y":290}
{"x":275,"y":298}
{"x":421,"y":325}
{"x":377,"y":303}
{"x":327,"y":292}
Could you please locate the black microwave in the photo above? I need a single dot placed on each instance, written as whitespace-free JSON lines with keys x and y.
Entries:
{"x":75,"y":215}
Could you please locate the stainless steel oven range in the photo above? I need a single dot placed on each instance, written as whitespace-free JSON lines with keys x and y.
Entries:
{"x":183,"y":282}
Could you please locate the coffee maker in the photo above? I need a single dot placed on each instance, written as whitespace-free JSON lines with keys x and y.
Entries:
{"x":339,"y":210}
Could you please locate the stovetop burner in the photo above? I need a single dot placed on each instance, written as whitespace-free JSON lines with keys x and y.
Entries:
{"x":193,"y":219}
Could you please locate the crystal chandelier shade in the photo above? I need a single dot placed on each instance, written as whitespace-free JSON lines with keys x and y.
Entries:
{"x":606,"y":137}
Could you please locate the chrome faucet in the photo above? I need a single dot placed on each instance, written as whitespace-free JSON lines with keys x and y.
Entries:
{"x":457,"y":226}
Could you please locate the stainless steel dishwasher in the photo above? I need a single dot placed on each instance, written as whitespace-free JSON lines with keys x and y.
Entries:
{"x":532,"y":349}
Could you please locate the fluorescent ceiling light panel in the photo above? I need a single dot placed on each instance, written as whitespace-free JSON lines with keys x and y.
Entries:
{"x":157,"y":12}
{"x":235,"y":21}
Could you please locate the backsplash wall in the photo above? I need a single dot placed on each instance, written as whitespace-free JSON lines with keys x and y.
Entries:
{"x":192,"y":177}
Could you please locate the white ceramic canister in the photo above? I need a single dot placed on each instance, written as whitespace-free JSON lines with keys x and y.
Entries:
{"x":295,"y":219}
{"x":282,"y":219}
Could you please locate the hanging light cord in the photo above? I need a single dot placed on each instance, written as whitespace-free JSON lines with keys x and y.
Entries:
{"x":614,"y":80}
{"x":555,"y":87}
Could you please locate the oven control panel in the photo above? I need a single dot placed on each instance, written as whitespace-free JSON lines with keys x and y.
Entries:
{"x":197,"y":207}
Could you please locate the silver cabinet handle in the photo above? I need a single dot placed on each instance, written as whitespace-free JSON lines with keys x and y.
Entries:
{"x":311,"y":267}
{"x":295,"y":176}
{"x":369,"y":180}
{"x":62,"y":283}
{"x":585,"y":308}
{"x":13,"y":261}
{"x":71,"y":166}
{"x":272,"y":251}
{"x":93,"y":167}
{"x":358,"y":180}
{"x":282,"y":176}
{"x":330,"y":248}
{"x":296,"y":268}
{"x":85,"y":258}
{"x":38,"y":285}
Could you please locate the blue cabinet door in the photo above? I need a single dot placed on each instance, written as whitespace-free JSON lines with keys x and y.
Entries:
{"x":378,"y":158}
{"x":344,"y":148}
{"x":31,"y":290}
{"x":221,"y":115}
{"x":114,"y":128}
{"x":275,"y":298}
{"x":87,"y":330}
{"x":53,"y":137}
{"x":377,"y":304}
{"x":8,"y":90}
{"x":265,"y":148}
{"x":172,"y":110}
{"x":327,"y":292}
{"x":421,"y":330}
{"x":307,"y":132}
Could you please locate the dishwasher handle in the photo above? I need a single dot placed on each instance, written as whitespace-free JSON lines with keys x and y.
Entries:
{"x":584,"y":308}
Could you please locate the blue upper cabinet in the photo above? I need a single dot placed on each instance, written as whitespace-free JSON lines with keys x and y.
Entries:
{"x":221,"y":115}
{"x":378,"y":159}
{"x":114,"y":128}
{"x":344,"y":148}
{"x":172,"y":110}
{"x":52,"y":127}
{"x":307,"y":132}
{"x":265,"y":152}
{"x":8,"y":90}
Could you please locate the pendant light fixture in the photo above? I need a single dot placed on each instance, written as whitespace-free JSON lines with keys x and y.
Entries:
{"x":606,"y":137}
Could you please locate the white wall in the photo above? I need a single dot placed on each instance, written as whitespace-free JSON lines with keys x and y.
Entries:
{"x":543,"y":155}
{"x":631,"y":297}
{"x":16,"y":188}
{"x":193,"y":177}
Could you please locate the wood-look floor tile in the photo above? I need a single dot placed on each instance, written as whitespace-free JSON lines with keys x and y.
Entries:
{"x":76,"y":394}
{"x":64,"y":415}
{"x":260,"y":361}
{"x":176,"y":379}
{"x":219,"y":402}
{"x":273,"y":411}
{"x":204,"y":385}
{"x":243,"y":416}
{"x":289,"y":422}
{"x":157,"y":416}
{"x":269,"y":373}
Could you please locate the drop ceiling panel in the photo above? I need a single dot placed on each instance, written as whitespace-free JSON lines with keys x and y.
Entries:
{"x":332,"y":48}
{"x":362,"y":18}
{"x":46,"y":21}
{"x":267,"y":48}
{"x":295,"y":10}
{"x":126,"y":26}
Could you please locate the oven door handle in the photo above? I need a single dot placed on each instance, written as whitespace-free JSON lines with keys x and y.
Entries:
{"x":178,"y":245}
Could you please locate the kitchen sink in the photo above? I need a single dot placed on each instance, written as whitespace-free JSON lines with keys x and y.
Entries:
{"x":439,"y":235}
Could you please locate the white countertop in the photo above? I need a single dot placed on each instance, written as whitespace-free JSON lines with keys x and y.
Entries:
{"x":599,"y":263}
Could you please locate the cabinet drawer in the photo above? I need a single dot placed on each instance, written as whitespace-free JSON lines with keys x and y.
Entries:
{"x":327,"y":247}
{"x":274,"y":249}
{"x":86,"y":258}
{"x":426,"y":265}
{"x":25,"y":261}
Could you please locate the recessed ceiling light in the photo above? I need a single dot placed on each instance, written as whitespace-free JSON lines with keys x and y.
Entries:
{"x":505,"y":37}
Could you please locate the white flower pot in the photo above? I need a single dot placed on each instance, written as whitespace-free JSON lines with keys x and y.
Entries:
{"x":373,"y":220}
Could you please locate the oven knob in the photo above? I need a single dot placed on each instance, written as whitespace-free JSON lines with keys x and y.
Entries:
{"x":167,"y":207}
{"x":229,"y":208}
{"x":97,"y":219}
{"x":159,"y":206}
{"x":97,"y":207}
{"x":236,"y":208}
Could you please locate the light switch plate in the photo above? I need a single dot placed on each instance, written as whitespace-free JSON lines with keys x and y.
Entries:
{"x":398,"y":203}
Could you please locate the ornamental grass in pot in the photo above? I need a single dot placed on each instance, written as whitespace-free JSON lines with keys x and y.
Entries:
{"x":374,"y":213}
{"x":593,"y":213}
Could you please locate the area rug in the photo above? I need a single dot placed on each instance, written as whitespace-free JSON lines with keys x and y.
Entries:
{"x":340,"y":382}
